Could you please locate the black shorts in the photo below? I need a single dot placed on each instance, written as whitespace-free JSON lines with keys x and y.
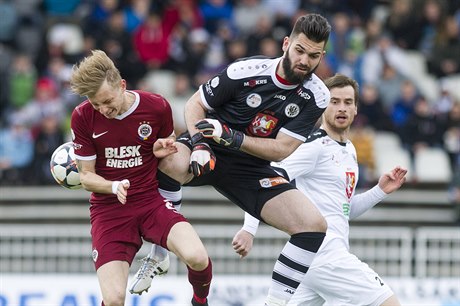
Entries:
{"x":247,"y":181}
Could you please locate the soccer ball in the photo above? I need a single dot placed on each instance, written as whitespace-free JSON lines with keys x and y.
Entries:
{"x":64,"y":167}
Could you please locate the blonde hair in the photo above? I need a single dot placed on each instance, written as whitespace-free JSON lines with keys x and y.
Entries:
{"x":89,"y":75}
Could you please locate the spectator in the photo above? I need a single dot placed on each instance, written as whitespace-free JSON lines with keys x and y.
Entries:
{"x":383,"y":52}
{"x":422,"y":129}
{"x":404,"y":24}
{"x":151,"y":41}
{"x":444,"y":102}
{"x":16,"y":151}
{"x":269,"y":47}
{"x":261,"y":31}
{"x":45,"y":103}
{"x":8,"y":21}
{"x":371,"y":112}
{"x":215,"y":12}
{"x":135,"y":14}
{"x":403,"y":107}
{"x":389,"y":87}
{"x":433,"y":16}
{"x":362,"y":137}
{"x":345,"y":45}
{"x":444,"y":58}
{"x":247,"y":14}
{"x":100,"y":13}
{"x":50,"y":136}
{"x":23,"y":77}
{"x":117,"y":42}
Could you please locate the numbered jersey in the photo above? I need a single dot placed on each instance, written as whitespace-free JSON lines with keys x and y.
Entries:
{"x":123,"y":146}
{"x":326,"y":171}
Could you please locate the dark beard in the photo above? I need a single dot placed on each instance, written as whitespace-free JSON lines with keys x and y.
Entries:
{"x":290,"y":75}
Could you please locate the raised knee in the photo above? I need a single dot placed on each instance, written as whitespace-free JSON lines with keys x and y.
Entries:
{"x":197,"y":261}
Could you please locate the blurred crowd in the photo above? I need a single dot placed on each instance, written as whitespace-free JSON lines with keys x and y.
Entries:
{"x":405,"y":54}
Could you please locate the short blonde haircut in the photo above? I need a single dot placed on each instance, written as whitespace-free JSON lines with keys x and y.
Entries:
{"x":89,"y":75}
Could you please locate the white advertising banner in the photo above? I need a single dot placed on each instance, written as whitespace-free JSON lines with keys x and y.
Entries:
{"x":83,"y":290}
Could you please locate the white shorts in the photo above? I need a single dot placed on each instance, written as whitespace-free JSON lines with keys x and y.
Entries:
{"x":345,"y":281}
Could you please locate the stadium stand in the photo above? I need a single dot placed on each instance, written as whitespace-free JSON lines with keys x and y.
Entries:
{"x":46,"y":230}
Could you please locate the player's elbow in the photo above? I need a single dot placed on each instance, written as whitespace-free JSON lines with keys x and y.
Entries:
{"x":84,"y":180}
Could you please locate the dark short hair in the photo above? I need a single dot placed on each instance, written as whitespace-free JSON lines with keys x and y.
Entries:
{"x":340,"y":81}
{"x":314,"y":26}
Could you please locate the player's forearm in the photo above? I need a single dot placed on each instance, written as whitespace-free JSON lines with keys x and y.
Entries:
{"x":365,"y":201}
{"x":95,"y":183}
{"x":265,"y":148}
{"x":270,"y":149}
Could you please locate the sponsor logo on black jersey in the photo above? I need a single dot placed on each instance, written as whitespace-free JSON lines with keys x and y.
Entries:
{"x":252,"y":83}
{"x":303,"y":94}
{"x":208,"y":89}
{"x":281,"y":97}
{"x":272,"y":181}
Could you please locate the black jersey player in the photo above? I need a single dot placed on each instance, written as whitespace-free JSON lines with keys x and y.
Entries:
{"x":255,"y":111}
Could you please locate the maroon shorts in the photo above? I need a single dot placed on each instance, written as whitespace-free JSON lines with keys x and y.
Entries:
{"x":117,"y":230}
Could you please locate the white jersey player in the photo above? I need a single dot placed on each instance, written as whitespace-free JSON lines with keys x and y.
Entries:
{"x":325,"y":168}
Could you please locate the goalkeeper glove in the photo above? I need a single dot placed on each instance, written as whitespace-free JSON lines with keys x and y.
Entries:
{"x":202,"y":159}
{"x":220,"y":133}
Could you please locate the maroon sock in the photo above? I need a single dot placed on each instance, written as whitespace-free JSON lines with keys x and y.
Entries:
{"x":102,"y":303}
{"x":201,"y":281}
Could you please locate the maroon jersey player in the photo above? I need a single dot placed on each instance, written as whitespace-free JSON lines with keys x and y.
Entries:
{"x":115,"y":133}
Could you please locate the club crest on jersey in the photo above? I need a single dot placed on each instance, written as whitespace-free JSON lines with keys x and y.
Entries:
{"x":262,"y":125}
{"x":144,"y":130}
{"x":350,"y":180}
{"x":292,"y":110}
{"x":254,"y":100}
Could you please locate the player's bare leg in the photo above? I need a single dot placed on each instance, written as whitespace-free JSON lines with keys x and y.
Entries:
{"x":295,"y":214}
{"x":113,"y":277}
{"x":185,"y":243}
{"x":176,"y":166}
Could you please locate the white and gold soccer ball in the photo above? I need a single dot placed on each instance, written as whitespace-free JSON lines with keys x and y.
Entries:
{"x":64,"y":167}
